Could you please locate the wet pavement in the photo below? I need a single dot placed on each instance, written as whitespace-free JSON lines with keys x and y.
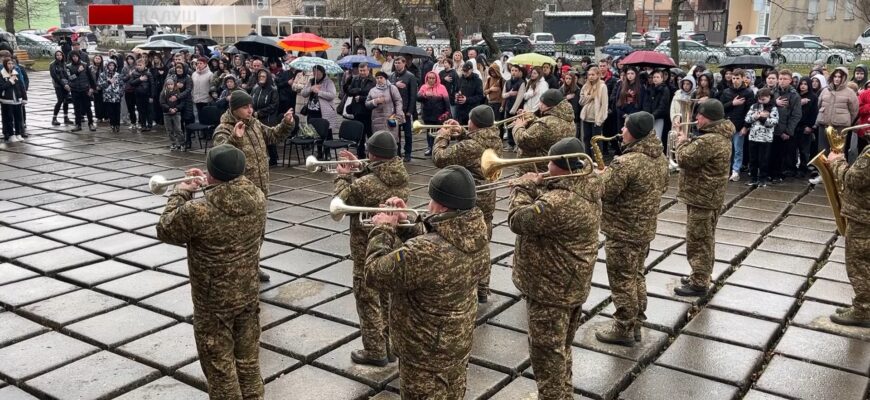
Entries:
{"x":94,"y":306}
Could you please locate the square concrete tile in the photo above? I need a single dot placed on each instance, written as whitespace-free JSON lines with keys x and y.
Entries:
{"x":81,"y":233}
{"x":651,"y":343}
{"x":838,"y":255}
{"x":24,"y":214}
{"x":736,"y":238}
{"x":298,"y":235}
{"x":165,"y":388}
{"x":311,"y":383}
{"x":826,"y":349}
{"x":768,"y":280}
{"x":131,"y":222}
{"x":8,"y":233}
{"x":48,"y":224}
{"x":269,"y":249}
{"x":501,"y":281}
{"x":95,"y":274}
{"x":797,"y":379}
{"x":176,"y":303}
{"x":140,"y":285}
{"x":307,"y":337}
{"x":660,"y":383}
{"x":32,"y":290}
{"x":678,"y":264}
{"x":36,"y":355}
{"x":742,"y":225}
{"x":342,"y":309}
{"x":753,"y":303}
{"x":757,"y":395}
{"x":27,"y":245}
{"x":298,"y":262}
{"x":831,"y":292}
{"x":14,"y":393}
{"x":166,"y":350}
{"x":814,"y":315}
{"x":712,"y":359}
{"x":104,"y":211}
{"x":337,"y":245}
{"x":272,"y":315}
{"x":833,"y":271}
{"x":338,"y":361}
{"x":117,"y":244}
{"x":805,"y":233}
{"x":793,"y":247}
{"x":10,"y":273}
{"x":273,"y":365}
{"x":752,"y":214}
{"x":515,"y":317}
{"x":129,"y":323}
{"x":101,"y":375}
{"x":339,"y":274}
{"x":780,"y":262}
{"x":733,"y":328}
{"x":70,"y":307}
{"x":303,"y":293}
{"x":155,"y":256}
{"x":662,"y":285}
{"x":57,"y":260}
{"x":662,"y":314}
{"x":14,"y":328}
{"x":599,"y":375}
{"x":500,"y":349}
{"x":521,"y":388}
{"x":725,"y":253}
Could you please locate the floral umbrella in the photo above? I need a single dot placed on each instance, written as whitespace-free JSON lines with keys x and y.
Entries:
{"x":307,"y":64}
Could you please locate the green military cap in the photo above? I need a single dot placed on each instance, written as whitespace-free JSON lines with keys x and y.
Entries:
{"x":225,"y":162}
{"x":570,"y":145}
{"x":640,"y":124}
{"x":453,"y":187}
{"x":382,"y":144}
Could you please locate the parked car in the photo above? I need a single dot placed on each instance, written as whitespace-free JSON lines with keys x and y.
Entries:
{"x":814,"y":38}
{"x":653,"y":38}
{"x":516,"y":44}
{"x":746,"y":44}
{"x":698,"y":37}
{"x":806,"y":52}
{"x":544,"y":43}
{"x":863,"y":42}
{"x":35,"y":45}
{"x":582,"y":44}
{"x":636,"y":39}
{"x":617,"y":50}
{"x":692,"y":51}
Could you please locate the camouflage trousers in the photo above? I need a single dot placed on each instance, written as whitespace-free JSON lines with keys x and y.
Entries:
{"x":421,"y":384}
{"x":858,"y":264}
{"x":483,"y":283}
{"x":373,"y":308}
{"x":551,"y":331}
{"x":701,"y":243}
{"x":228,"y":344}
{"x":625,"y":267}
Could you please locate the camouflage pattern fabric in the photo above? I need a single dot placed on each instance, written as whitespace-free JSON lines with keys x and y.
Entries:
{"x":371,"y":187}
{"x":467,"y":153}
{"x":551,"y":332}
{"x":855,"y":208}
{"x":433,"y":279}
{"x":705,"y":165}
{"x":858,"y":265}
{"x":423,"y":384}
{"x":253,"y":144}
{"x":625,"y":267}
{"x":535,"y":140}
{"x":701,"y":243}
{"x":228,"y":344}
{"x":855,"y":181}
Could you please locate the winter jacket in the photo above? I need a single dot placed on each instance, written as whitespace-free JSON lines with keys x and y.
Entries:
{"x":494,"y":85}
{"x":789,"y":116}
{"x":409,"y":93}
{"x":286,"y":94}
{"x":392,"y":105}
{"x":657,"y":100}
{"x":680,"y":94}
{"x":184,"y":94}
{"x":12,"y":91}
{"x":452,"y":85}
{"x":864,"y":111}
{"x":325,"y":100}
{"x":737,"y":113}
{"x":59,"y":73}
{"x":158,"y":76}
{"x":705,"y":165}
{"x":535,"y":139}
{"x":201,"y":84}
{"x":855,"y":179}
{"x":359,"y":89}
{"x":809,"y":111}
{"x":510,"y":102}
{"x":141,"y":87}
{"x":80,"y":77}
{"x":472,"y":89}
{"x":467,"y":153}
{"x":575,"y":101}
{"x":433,"y":109}
{"x":552,"y":80}
{"x":860,"y":83}
{"x":265,"y":102}
{"x":761,"y":129}
{"x":594,"y":100}
{"x":166,"y":105}
{"x":113,"y":87}
{"x":838,"y":106}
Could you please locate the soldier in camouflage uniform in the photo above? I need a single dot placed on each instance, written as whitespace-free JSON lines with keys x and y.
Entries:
{"x":240,"y":129}
{"x":856,"y":210}
{"x":467,"y":152}
{"x":433,"y":279}
{"x":557,"y":243}
{"x":555,"y":122}
{"x":633,"y":187}
{"x":383,"y":177}
{"x":704,"y":171}
{"x":223,"y":270}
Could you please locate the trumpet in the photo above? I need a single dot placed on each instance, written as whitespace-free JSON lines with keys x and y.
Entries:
{"x":596,"y":149}
{"x":687,"y":109}
{"x":338,"y":209}
{"x":158,"y":184}
{"x":491,"y":165}
{"x":515,"y":117}
{"x":418,"y":126}
{"x":330,"y":167}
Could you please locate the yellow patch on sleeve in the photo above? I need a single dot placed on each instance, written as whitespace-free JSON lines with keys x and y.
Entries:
{"x":538,"y":208}
{"x":400,"y":255}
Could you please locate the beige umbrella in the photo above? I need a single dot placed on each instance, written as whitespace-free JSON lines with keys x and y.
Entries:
{"x":386,"y":41}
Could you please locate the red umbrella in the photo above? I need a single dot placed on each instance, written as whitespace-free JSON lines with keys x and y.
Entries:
{"x":305,"y":42}
{"x":646,"y":58}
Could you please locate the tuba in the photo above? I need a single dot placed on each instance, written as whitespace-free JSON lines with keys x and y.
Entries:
{"x":596,"y":149}
{"x":687,"y":110}
{"x":833,"y":188}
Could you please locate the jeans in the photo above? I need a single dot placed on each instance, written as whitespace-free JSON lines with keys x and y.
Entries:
{"x":590,"y":130}
{"x":172,"y":122}
{"x":12,"y":122}
{"x":737,"y":142}
{"x":62,"y":100}
{"x":82,"y":105}
{"x":406,"y":128}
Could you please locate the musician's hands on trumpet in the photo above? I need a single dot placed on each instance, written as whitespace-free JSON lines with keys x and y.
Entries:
{"x":450,"y":129}
{"x":523,"y":120}
{"x":391,"y":218}
{"x":351,"y":164}
{"x":193,"y":184}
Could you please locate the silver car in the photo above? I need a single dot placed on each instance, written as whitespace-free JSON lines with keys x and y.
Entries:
{"x":35,"y":45}
{"x":806,"y":52}
{"x":692,"y":51}
{"x":746,"y":44}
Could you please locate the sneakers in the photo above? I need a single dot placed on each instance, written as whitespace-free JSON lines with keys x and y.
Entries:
{"x":428,"y":152}
{"x":851,"y":317}
{"x":735,"y":176}
{"x":763,"y":183}
{"x":77,"y":128}
{"x":690,"y":290}
{"x":67,"y":121}
{"x":815,"y":181}
{"x":776,"y":181}
{"x":753,"y":183}
{"x":264,"y":277}
{"x":364,"y":357}
{"x":617,"y":335}
{"x":92,"y":127}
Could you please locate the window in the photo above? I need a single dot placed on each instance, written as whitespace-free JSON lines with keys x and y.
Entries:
{"x":812,"y":9}
{"x":831,"y":12}
{"x":812,"y":45}
{"x":849,"y":10}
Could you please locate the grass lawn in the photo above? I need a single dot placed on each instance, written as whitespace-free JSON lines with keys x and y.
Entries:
{"x":41,"y":64}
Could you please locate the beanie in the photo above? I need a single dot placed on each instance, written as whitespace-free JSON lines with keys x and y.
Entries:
{"x":569,"y":145}
{"x":453,"y":187}
{"x":239,"y":99}
{"x":482,"y":116}
{"x":225,"y":162}
{"x":382,"y":144}
{"x":712,"y":109}
{"x":640,"y":124}
{"x":552,"y":97}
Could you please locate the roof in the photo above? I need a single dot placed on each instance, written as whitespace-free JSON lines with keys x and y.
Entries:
{"x":581,"y":14}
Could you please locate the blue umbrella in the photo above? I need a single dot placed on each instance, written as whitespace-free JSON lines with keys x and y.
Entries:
{"x":348,"y":62}
{"x":307,"y":64}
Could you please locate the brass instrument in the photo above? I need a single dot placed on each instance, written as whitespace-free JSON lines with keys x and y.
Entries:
{"x":596,"y":149}
{"x":418,"y":127}
{"x":687,"y":110}
{"x":158,"y":184}
{"x":330,"y":167}
{"x":501,"y":184}
{"x":338,"y":209}
{"x":491,"y":165}
{"x":532,"y":119}
{"x":833,"y":188}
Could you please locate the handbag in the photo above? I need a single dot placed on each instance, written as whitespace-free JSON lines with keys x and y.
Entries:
{"x":307,"y":131}
{"x":304,"y":110}
{"x":346,"y":104}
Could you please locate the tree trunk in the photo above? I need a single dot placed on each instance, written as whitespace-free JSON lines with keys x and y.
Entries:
{"x":675,"y":40}
{"x":630,"y":21}
{"x":10,"y":16}
{"x":451,"y":23}
{"x":486,"y":32}
{"x":598,"y":22}
{"x":407,"y":21}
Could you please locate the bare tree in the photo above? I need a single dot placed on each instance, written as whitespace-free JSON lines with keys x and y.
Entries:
{"x":862,"y":9}
{"x":406,"y":18}
{"x":672,"y":26}
{"x":482,"y":12}
{"x":445,"y":11}
{"x":598,"y":21}
{"x":20,"y":10}
{"x":630,"y":20}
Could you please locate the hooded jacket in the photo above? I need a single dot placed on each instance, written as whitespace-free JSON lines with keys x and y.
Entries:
{"x":862,"y":82}
{"x":265,"y":102}
{"x":557,"y":238}
{"x":838,"y":105}
{"x":185,"y":95}
{"x":433,"y":103}
{"x":535,"y":139}
{"x":59,"y":73}
{"x":823,"y":83}
{"x":80,"y":77}
{"x":810,"y":110}
{"x":493,"y":84}
{"x":432,"y":279}
{"x":467,"y":153}
{"x":680,"y":94}
{"x":12,"y":93}
{"x":790,"y":115}
{"x":223,"y":268}
{"x":633,"y":187}
{"x":705,"y":165}
{"x":111,"y":83}
{"x":762,"y":129}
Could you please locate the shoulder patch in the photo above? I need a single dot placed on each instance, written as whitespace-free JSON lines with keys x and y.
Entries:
{"x":539,"y":208}
{"x":400,"y":256}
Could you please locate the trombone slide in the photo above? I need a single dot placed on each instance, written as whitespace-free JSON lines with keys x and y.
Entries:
{"x":312,"y":164}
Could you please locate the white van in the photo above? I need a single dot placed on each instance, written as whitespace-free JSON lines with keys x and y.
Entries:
{"x":685,"y":26}
{"x":863,"y":41}
{"x":544,"y":43}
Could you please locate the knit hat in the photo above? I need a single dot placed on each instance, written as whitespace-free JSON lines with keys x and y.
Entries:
{"x":640,"y":124}
{"x":382,"y":144}
{"x":552,"y":97}
{"x":453,"y":187}
{"x":202,"y":60}
{"x":569,"y":145}
{"x":482,"y":116}
{"x":225,"y":162}
{"x":712,"y":109}
{"x":468,"y":66}
{"x":239,"y":99}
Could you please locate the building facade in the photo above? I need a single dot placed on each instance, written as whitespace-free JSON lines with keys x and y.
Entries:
{"x":837,"y":22}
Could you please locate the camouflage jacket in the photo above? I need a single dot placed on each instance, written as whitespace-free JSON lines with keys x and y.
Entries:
{"x":433,"y":280}
{"x":855,"y":180}
{"x":257,"y":136}
{"x":379,"y":181}
{"x":536,"y":139}
{"x":557,"y":239}
{"x":467,"y":153}
{"x":705,"y":164}
{"x":223,"y":267}
{"x":633,"y":187}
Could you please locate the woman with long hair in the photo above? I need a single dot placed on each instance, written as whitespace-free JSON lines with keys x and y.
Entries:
{"x":492,"y":89}
{"x":628,"y":95}
{"x":244,"y":75}
{"x":97,"y":69}
{"x":594,"y":100}
{"x":12,"y":96}
{"x":531,"y":91}
{"x":320,"y":92}
{"x":656,"y":101}
{"x":571,"y":90}
{"x":435,"y":104}
{"x":264,"y":100}
{"x":60,"y":81}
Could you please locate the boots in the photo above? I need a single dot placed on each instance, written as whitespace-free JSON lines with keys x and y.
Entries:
{"x":66,"y":120}
{"x":364,"y":357}
{"x":851,"y":317}
{"x":690,"y":290}
{"x":264,"y":277}
{"x":637,"y":333}
{"x":54,"y":121}
{"x":616,"y":334}
{"x":482,"y":297}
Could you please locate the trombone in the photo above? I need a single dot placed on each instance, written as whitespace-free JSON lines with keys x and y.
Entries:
{"x":330,"y":167}
{"x":418,"y":126}
{"x":158,"y":184}
{"x":338,"y":209}
{"x":491,"y":166}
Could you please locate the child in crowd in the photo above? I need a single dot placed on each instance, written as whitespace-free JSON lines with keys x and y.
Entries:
{"x":763,"y":118}
{"x":171,"y":106}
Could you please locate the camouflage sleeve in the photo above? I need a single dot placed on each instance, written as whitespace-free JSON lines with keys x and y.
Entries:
{"x":222,"y":135}
{"x":276,"y":134}
{"x":177,"y":224}
{"x":615,"y":178}
{"x":533,"y":137}
{"x":343,"y":185}
{"x":692,"y":154}
{"x":857,"y":176}
{"x":463,"y":153}
{"x":389,"y":264}
{"x":529,"y":213}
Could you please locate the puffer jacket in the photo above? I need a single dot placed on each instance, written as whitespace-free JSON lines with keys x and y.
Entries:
{"x":265,"y":102}
{"x":705,"y":165}
{"x":557,"y":239}
{"x":680,"y":94}
{"x":856,"y":187}
{"x":467,"y":153}
{"x":382,"y":112}
{"x":223,"y":268}
{"x":633,"y":187}
{"x":113,"y":87}
{"x":185,"y":95}
{"x":864,"y":111}
{"x":535,"y":140}
{"x":80,"y":77}
{"x":141,"y":87}
{"x":656,"y":100}
{"x":493,"y":84}
{"x":59,"y":73}
{"x":838,"y":106}
{"x":326,"y":98}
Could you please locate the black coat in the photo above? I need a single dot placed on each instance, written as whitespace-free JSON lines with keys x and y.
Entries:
{"x":789,"y":116}
{"x":265,"y":102}
{"x":409,"y":93}
{"x":472,"y":89}
{"x":657,"y":101}
{"x":59,"y":74}
{"x":514,"y":85}
{"x":80,"y":79}
{"x":737,"y":114}
{"x":432,"y":108}
{"x":286,"y":95}
{"x":359,"y":89}
{"x":451,"y":86}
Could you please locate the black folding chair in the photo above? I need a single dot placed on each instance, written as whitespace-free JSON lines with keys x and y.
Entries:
{"x":209,"y":118}
{"x":349,"y":134}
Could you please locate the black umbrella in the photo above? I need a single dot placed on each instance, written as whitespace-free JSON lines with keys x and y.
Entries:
{"x":260,"y":46}
{"x":203,"y":40}
{"x":63,"y":32}
{"x":233,"y":50}
{"x":409,"y":51}
{"x":746,"y":62}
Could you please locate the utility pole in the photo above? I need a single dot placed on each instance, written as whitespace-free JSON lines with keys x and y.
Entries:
{"x":27,"y":7}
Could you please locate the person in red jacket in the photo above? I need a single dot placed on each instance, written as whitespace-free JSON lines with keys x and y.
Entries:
{"x":864,"y":116}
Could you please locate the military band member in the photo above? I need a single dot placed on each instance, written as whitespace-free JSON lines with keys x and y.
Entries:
{"x":467,"y":152}
{"x":433,"y":280}
{"x":223,"y":270}
{"x":633,"y":187}
{"x":534,"y":139}
{"x":556,"y":248}
{"x":239,"y":128}
{"x":704,"y":171}
{"x":383,"y":177}
{"x":855,"y":209}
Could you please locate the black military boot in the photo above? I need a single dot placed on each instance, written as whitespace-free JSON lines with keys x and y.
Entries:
{"x":691,"y":290}
{"x":54,"y":121}
{"x":362,"y":356}
{"x":264,"y":277}
{"x":482,"y":296}
{"x":638,"y":336}
{"x":851,"y":317}
{"x":615,"y":334}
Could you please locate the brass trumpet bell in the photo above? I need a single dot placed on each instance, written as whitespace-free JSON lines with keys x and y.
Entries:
{"x":491,"y":164}
{"x":338,"y":209}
